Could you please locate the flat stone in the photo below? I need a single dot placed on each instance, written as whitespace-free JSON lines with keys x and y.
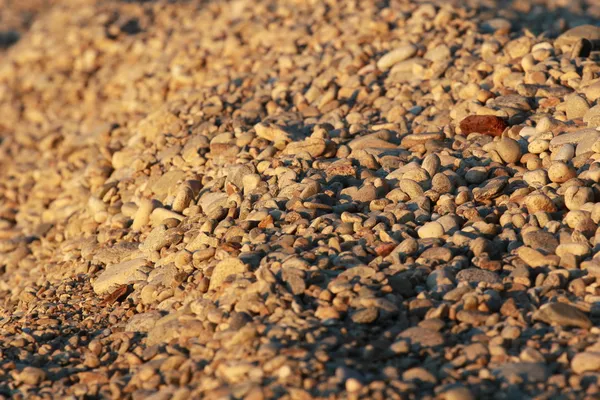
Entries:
{"x":592,"y":116}
{"x":210,"y":201}
{"x":576,"y":106}
{"x":272,"y":132}
{"x":173,"y":329}
{"x":562,"y":314}
{"x":420,"y":138}
{"x":534,"y":258}
{"x":423,"y":336}
{"x":121,"y":274}
{"x":437,"y":253}
{"x":476,"y":275}
{"x":577,"y":249}
{"x":143,"y":322}
{"x":493,"y":188}
{"x":540,"y":240}
{"x":592,"y":92}
{"x":583,"y":139}
{"x":225,"y":268}
{"x":168,"y":182}
{"x":158,"y":123}
{"x":574,"y":35}
{"x":314,"y":147}
{"x":365,"y":315}
{"x":529,"y":372}
{"x":235,"y":174}
{"x":32,"y":375}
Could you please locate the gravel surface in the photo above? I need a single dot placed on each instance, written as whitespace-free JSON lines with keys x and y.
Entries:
{"x":300,"y":199}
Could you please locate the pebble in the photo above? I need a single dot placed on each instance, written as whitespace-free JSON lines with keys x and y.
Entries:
{"x":586,"y":361}
{"x":209,"y":202}
{"x":224,"y":269}
{"x":395,"y":56}
{"x":528,"y":372}
{"x":562,"y":314}
{"x":509,"y":150}
{"x":32,"y":376}
{"x":121,"y":274}
{"x":431,"y":230}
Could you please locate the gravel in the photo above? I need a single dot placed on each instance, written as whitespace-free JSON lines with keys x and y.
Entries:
{"x":296,"y":200}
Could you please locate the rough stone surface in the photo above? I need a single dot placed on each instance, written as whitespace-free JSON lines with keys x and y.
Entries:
{"x":299,"y":199}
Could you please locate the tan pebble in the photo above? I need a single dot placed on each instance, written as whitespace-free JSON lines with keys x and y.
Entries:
{"x":182,"y":199}
{"x":577,"y":196}
{"x":560,"y":172}
{"x":142,"y":215}
{"x":539,"y":202}
{"x":431,"y":230}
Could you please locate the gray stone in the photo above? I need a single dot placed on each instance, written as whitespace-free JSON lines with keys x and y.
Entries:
{"x":476,"y":275}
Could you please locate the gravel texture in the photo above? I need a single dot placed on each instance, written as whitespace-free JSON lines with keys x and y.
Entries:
{"x":300,"y":199}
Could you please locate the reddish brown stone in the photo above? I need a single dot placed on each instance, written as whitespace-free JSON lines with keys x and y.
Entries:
{"x":117,"y":295}
{"x":486,"y":124}
{"x":385,"y":249}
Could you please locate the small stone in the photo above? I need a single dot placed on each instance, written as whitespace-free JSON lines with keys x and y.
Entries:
{"x":395,"y":56}
{"x":576,"y":107}
{"x":142,"y":215}
{"x":577,"y":249}
{"x":485,"y":124}
{"x":532,"y":257}
{"x":458,"y":393}
{"x":529,"y":372}
{"x":560,"y":172}
{"x":476,"y":275}
{"x":32,"y":376}
{"x":577,"y":196}
{"x":271,"y":132}
{"x":491,"y":189}
{"x":121,"y":274}
{"x":540,"y":240}
{"x":536,"y":179}
{"x":536,"y":202}
{"x":573,"y":35}
{"x":314,"y":147}
{"x":431,"y":230}
{"x":158,"y":123}
{"x":225,"y":268}
{"x":365,"y":315}
{"x":592,"y":117}
{"x":585,"y":362}
{"x":419,"y":374}
{"x":422,"y":336}
{"x":509,"y":150}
